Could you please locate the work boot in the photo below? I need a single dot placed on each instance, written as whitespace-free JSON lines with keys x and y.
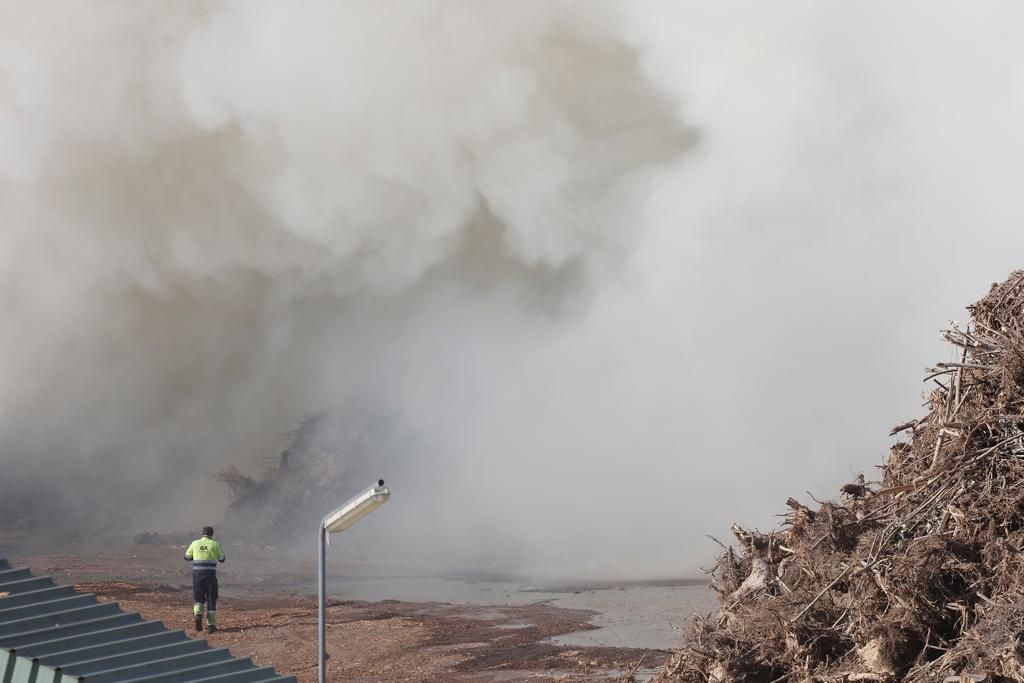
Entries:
{"x":211,"y":628}
{"x":199,"y":622}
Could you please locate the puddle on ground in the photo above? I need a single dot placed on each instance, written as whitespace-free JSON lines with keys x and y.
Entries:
{"x":642,"y":614}
{"x":638,"y":616}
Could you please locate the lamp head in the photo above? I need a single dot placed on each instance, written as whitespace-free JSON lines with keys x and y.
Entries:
{"x":357,"y":508}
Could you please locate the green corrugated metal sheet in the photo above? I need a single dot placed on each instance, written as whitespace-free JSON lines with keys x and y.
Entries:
{"x":52,"y":634}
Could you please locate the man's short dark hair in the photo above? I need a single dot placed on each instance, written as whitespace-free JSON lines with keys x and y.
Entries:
{"x":207,"y":531}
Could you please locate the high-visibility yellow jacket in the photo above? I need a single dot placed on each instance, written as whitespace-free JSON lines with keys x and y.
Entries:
{"x":204,"y":554}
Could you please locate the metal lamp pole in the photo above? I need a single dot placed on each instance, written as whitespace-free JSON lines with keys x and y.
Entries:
{"x":339,"y":520}
{"x":321,"y":607}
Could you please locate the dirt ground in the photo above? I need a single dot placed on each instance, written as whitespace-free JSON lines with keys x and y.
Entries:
{"x":267,"y":612}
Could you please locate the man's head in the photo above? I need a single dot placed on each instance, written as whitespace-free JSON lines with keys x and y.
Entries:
{"x":208,"y":531}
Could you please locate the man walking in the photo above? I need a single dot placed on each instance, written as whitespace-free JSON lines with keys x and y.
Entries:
{"x":204,"y":554}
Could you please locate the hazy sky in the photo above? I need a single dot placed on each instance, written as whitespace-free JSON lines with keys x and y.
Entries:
{"x":619,"y":273}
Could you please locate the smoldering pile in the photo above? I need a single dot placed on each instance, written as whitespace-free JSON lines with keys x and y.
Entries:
{"x":917,"y":577}
{"x":325,"y":457}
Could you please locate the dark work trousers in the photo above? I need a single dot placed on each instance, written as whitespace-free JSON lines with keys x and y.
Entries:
{"x":204,"y":589}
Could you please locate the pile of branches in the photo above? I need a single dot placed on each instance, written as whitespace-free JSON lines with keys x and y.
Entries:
{"x":917,"y":577}
{"x":296,"y":490}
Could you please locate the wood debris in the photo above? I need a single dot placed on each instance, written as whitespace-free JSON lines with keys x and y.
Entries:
{"x":326,"y":456}
{"x":917,"y":577}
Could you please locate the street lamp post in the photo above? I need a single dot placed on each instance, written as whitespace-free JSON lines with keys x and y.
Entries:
{"x":339,"y":520}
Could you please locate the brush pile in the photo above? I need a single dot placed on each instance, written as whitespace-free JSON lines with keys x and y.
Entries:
{"x":302,"y":485}
{"x":918,"y":577}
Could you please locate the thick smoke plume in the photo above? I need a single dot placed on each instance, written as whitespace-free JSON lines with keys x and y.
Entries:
{"x":589,"y":267}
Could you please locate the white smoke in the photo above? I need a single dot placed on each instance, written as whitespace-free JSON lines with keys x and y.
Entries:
{"x":628,"y":270}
